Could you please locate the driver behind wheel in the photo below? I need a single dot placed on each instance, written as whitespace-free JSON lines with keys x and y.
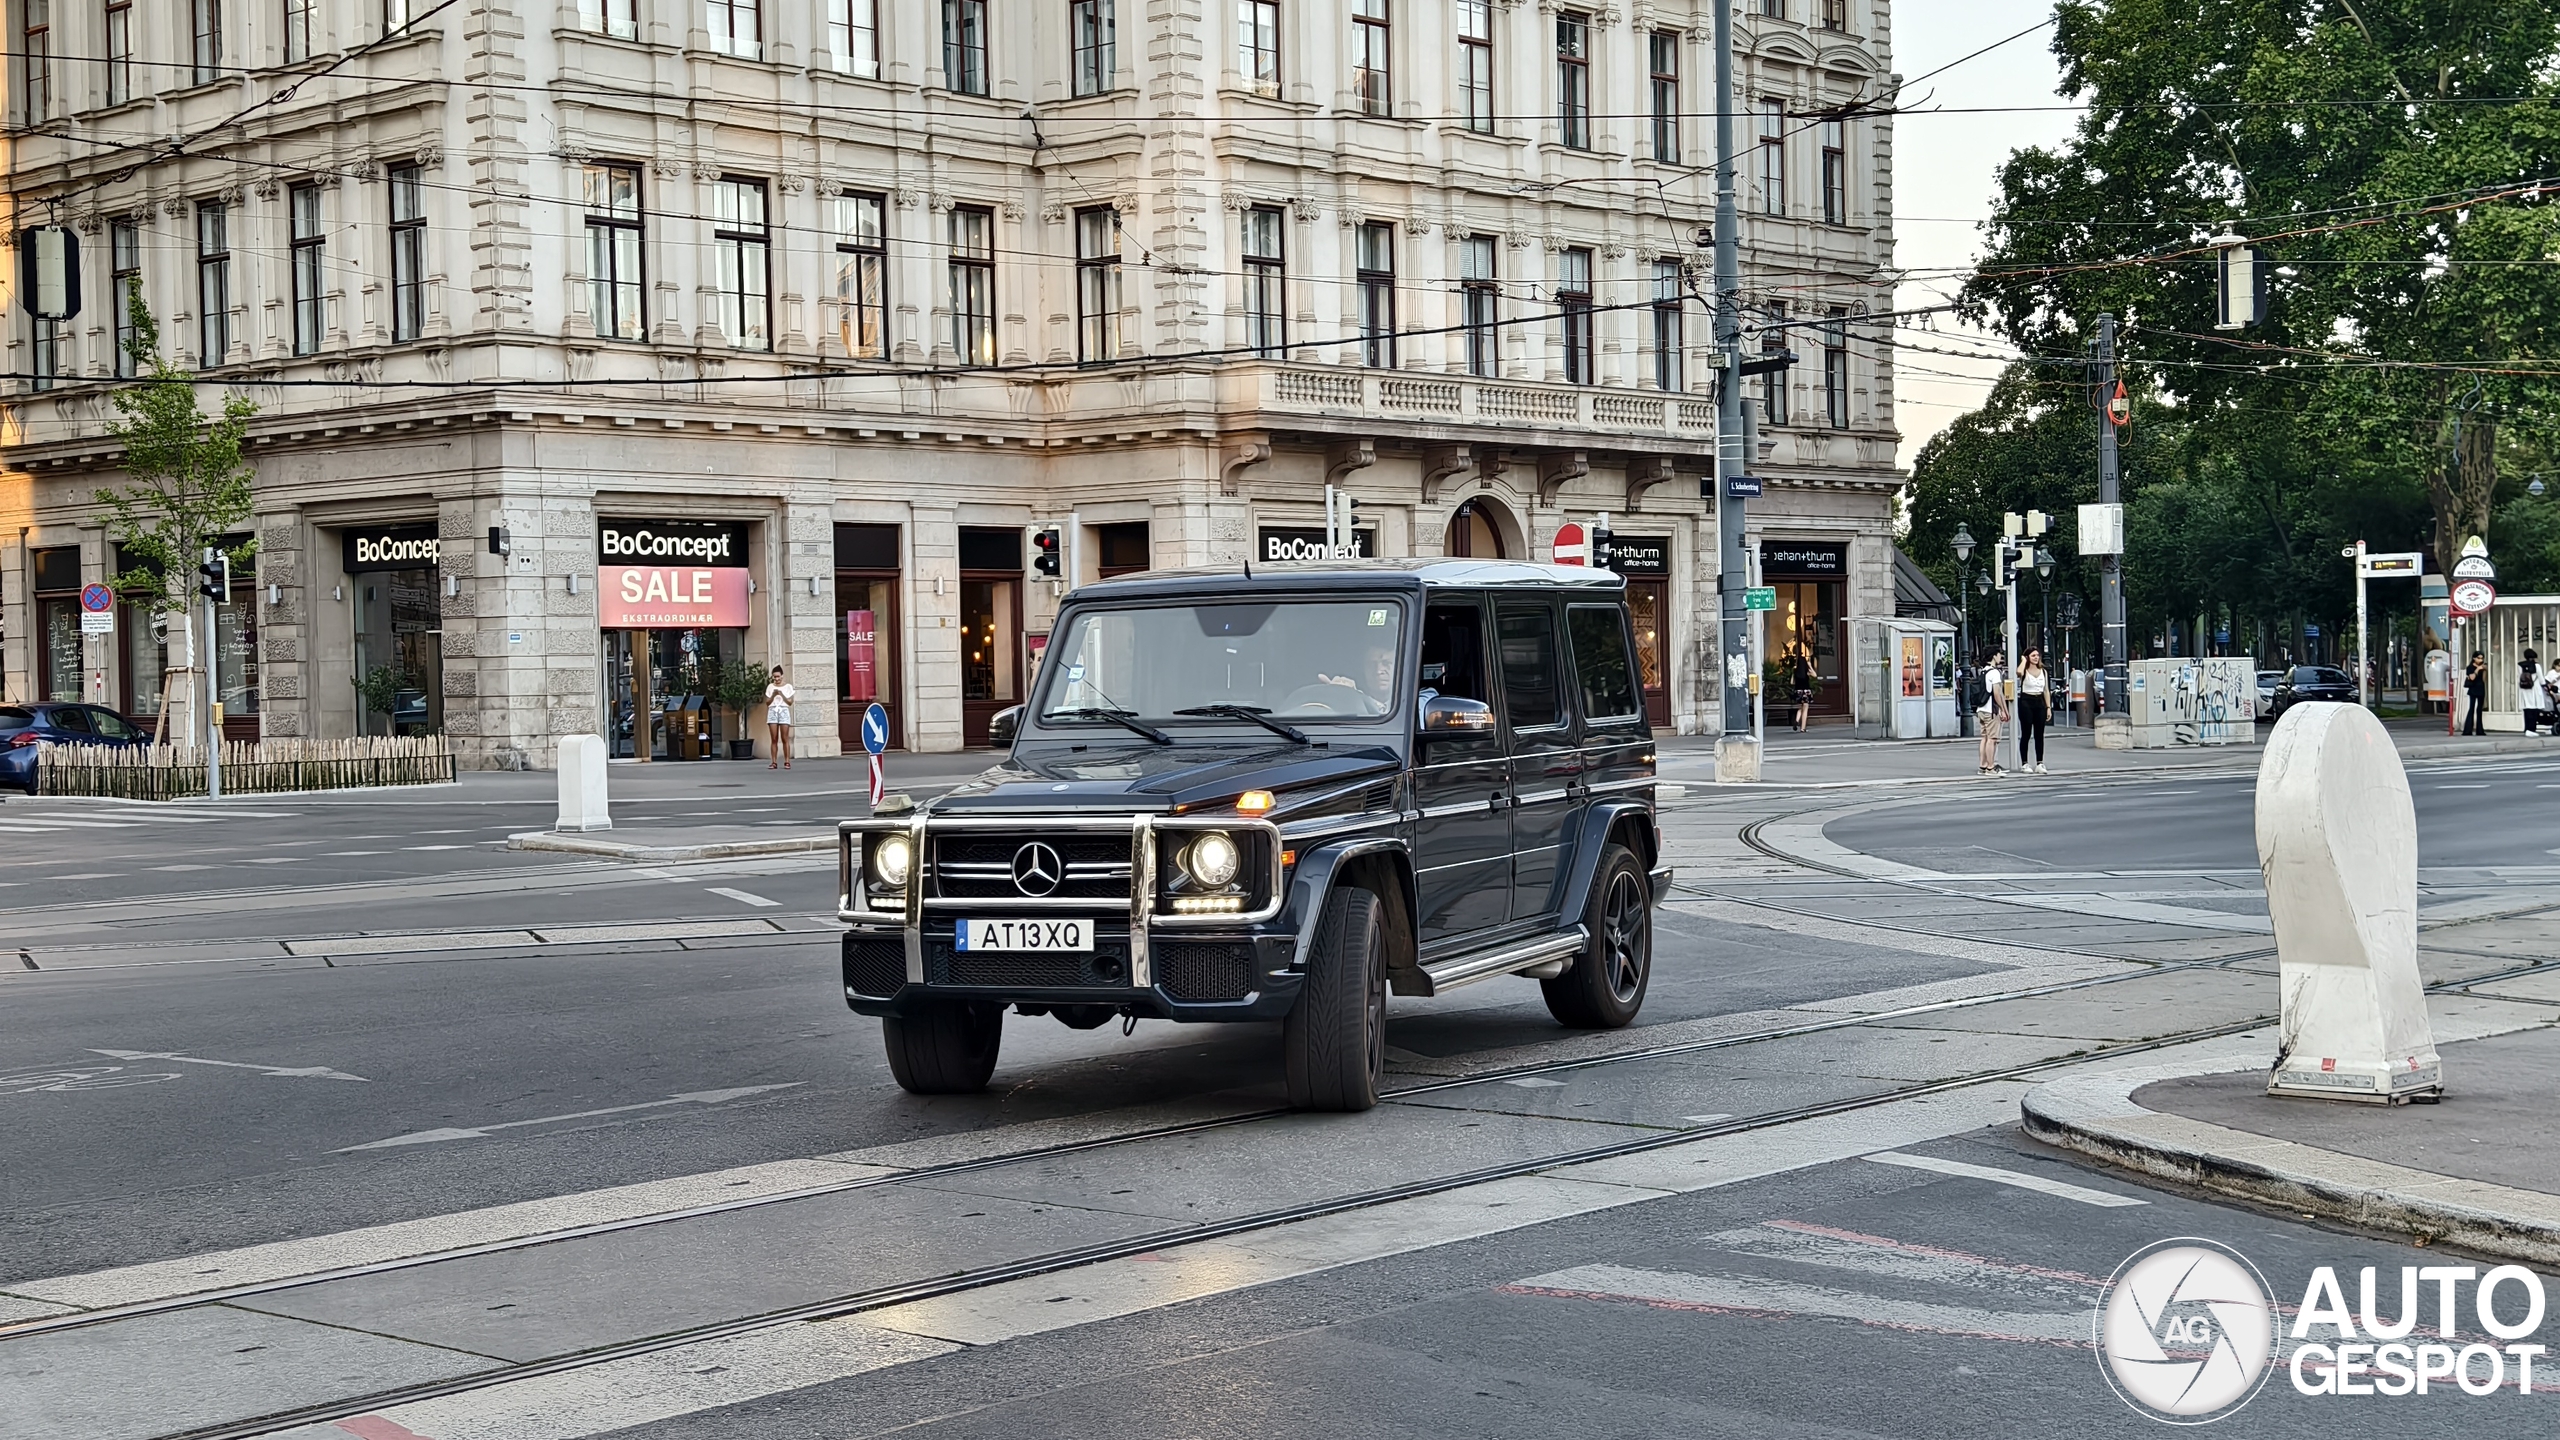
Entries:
{"x":1374,"y":677}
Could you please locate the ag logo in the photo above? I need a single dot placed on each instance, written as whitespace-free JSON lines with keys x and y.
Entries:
{"x":2185,"y":1331}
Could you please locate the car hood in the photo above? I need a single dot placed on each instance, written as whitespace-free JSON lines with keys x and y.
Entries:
{"x":1144,"y":776}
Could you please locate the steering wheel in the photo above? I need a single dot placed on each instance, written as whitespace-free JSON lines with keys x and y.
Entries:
{"x":1329,"y":699}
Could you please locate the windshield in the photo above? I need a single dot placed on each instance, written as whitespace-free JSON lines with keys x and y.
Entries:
{"x":1295,"y":660}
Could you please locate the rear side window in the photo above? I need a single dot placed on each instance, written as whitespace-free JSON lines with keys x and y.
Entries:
{"x":75,"y":722}
{"x":16,"y":720}
{"x":1601,"y":658}
{"x":1528,"y":643}
{"x":1453,"y":652}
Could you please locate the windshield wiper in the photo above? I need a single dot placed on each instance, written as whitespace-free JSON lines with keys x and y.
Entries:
{"x":1259,"y":715}
{"x":1125,"y":719}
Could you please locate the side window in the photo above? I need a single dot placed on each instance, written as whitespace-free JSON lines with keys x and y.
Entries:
{"x":1529,"y":688}
{"x":1600,"y":658}
{"x":112,"y":726}
{"x":70,"y":721}
{"x":1453,"y":652}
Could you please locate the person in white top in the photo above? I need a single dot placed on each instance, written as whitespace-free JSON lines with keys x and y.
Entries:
{"x":2034,"y":711}
{"x":778,"y":696}
{"x":1993,"y":709}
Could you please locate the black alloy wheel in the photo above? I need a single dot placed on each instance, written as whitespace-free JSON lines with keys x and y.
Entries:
{"x":1334,"y":1043}
{"x":1606,"y":984}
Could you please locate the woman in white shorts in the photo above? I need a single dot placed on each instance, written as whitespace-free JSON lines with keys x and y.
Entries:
{"x":778,"y":696}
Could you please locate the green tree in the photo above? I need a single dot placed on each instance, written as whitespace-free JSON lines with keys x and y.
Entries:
{"x":187,"y":486}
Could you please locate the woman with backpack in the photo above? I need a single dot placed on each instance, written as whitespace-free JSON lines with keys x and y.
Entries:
{"x":1993,"y":709}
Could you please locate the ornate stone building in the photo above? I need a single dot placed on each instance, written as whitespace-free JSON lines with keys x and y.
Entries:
{"x":547,"y":304}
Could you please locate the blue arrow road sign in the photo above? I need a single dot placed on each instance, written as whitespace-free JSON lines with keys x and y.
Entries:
{"x":875,"y":728}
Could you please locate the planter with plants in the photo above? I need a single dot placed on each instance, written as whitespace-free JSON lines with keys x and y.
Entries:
{"x":738,"y":686}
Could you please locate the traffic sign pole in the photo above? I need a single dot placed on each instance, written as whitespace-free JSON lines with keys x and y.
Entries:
{"x":875,"y":739}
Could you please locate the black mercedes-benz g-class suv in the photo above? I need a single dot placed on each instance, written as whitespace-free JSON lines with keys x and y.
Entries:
{"x":1275,"y":796}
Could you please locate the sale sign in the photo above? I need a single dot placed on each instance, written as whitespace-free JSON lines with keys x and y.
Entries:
{"x":636,"y":597}
{"x":861,"y":656}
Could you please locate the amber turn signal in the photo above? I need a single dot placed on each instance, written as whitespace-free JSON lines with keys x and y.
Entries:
{"x":1253,"y":802}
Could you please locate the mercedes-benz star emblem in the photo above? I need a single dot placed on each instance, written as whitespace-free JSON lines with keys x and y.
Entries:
{"x":1037,"y":869}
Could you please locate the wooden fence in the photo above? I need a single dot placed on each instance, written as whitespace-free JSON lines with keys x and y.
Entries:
{"x":176,"y":772}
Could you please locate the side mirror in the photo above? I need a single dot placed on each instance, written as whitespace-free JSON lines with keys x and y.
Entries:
{"x":1004,"y":725}
{"x":1447,"y":714}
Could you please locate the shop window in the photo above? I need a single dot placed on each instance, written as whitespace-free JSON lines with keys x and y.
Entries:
{"x":990,"y":626}
{"x":60,"y":661}
{"x":400,"y":628}
{"x":142,"y":640}
{"x":867,"y":630}
{"x":991,"y":548}
{"x":1120,"y":549}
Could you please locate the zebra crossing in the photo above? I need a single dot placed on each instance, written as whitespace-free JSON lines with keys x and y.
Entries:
{"x":40,"y":817}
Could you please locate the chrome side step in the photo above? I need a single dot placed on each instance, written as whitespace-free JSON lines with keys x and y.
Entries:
{"x":1450,"y":974}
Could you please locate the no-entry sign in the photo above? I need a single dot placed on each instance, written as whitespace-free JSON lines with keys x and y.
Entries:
{"x":1571,"y":546}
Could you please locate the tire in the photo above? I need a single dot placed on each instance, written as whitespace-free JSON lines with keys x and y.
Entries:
{"x":1605,"y":987}
{"x":1334,"y":1043}
{"x":946,"y":1047}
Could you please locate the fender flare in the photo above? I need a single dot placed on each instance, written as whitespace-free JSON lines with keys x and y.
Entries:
{"x":1597,"y":822}
{"x":1312,"y":880}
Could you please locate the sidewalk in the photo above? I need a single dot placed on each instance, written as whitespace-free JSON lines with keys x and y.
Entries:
{"x":2480,"y":1171}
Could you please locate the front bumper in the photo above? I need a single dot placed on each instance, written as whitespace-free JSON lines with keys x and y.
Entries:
{"x":1198,"y":977}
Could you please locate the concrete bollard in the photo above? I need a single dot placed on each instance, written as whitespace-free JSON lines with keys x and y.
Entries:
{"x":582,"y":798}
{"x":2338,"y":845}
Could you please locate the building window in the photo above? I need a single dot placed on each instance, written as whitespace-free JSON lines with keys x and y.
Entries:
{"x":1097,"y":284}
{"x":742,"y":249}
{"x":297,"y":30}
{"x":408,"y":255}
{"x":213,"y":283}
{"x":1663,"y":47}
{"x":1774,"y":9}
{"x":1377,"y":279}
{"x":119,"y":51}
{"x":853,"y":37}
{"x":1835,"y":369}
{"x":1266,"y":310}
{"x":1475,"y":65}
{"x":964,"y":46}
{"x":124,"y":257}
{"x":1835,"y":172}
{"x":1480,"y":299}
{"x":973,"y":285}
{"x":1835,"y":14}
{"x":1773,"y":384}
{"x":1091,"y":45}
{"x":37,"y":51}
{"x":395,"y":16}
{"x":1773,"y":157}
{"x":1573,"y":79}
{"x":302,"y":209}
{"x":617,"y":18}
{"x":862,"y":275}
{"x":1670,"y":364}
{"x":1371,"y":67}
{"x":737,"y":27}
{"x":1573,"y":306}
{"x":1258,"y":45}
{"x":207,"y":18}
{"x":613,"y":250}
{"x":46,"y":341}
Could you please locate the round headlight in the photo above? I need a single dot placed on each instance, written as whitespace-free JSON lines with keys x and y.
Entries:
{"x":890,"y":860}
{"x":1212,"y":858}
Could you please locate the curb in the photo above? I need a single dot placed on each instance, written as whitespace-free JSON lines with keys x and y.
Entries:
{"x":2096,"y":1116}
{"x":634,"y":851}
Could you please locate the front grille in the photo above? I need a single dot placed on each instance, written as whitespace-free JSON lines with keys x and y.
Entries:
{"x":874,"y":967}
{"x":969,"y":866}
{"x":1204,"y":969}
{"x":1105,"y":967}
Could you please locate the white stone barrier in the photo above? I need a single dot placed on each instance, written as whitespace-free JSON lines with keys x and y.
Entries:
{"x":2338,"y":845}
{"x":582,"y":797}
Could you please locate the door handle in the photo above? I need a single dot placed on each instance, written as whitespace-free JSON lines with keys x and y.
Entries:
{"x":1499,"y":800}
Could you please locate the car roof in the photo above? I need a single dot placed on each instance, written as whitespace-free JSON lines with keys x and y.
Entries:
{"x":1312,"y":576}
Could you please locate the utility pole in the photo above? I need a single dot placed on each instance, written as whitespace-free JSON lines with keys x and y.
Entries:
{"x":2118,"y":716}
{"x":1738,"y":749}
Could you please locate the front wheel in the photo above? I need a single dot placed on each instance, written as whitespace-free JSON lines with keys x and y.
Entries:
{"x":1605,"y":988}
{"x":1334,"y":1043}
{"x":944,"y":1047}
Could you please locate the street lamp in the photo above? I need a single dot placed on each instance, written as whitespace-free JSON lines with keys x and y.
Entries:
{"x":1964,"y":573}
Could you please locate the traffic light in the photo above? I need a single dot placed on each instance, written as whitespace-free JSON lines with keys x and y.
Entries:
{"x":1044,"y":542}
{"x":1602,"y":557}
{"x":1350,"y":526}
{"x":213,"y":577}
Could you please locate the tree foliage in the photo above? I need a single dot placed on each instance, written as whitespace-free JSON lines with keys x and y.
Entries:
{"x":187,"y":485}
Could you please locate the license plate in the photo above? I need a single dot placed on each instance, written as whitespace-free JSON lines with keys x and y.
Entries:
{"x":1023,"y":935}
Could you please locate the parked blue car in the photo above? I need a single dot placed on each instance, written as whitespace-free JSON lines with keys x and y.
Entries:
{"x":23,"y":727}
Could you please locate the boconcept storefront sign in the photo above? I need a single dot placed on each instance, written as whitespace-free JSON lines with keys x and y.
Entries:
{"x":697,"y":542}
{"x":392,"y":547}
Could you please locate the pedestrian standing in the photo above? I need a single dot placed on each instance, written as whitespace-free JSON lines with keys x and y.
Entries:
{"x":778,"y":695}
{"x":2529,"y":691}
{"x":2035,"y":711}
{"x":1993,"y":709}
{"x":2475,"y":693}
{"x":1800,"y":679}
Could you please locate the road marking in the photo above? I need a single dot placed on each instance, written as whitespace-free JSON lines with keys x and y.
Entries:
{"x":351,"y":854}
{"x":2038,"y":1183}
{"x":1536,"y":1083}
{"x":167,"y":869}
{"x":697,"y":1097}
{"x":1706,"y":1119}
{"x":741,"y":896}
{"x":435,"y":847}
{"x":94,"y":875}
{"x":51,"y":824}
{"x":1754,"y":1295}
{"x":273,"y":860}
{"x":299,"y":1072}
{"x":2482,"y":786}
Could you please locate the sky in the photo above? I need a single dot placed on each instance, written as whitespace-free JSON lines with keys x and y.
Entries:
{"x":1946,"y":172}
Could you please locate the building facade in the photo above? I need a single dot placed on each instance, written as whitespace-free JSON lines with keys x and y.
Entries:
{"x":595,"y":341}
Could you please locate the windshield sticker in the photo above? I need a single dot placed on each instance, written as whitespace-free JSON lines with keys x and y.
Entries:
{"x":1075,"y":673}
{"x":1377,"y":619}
